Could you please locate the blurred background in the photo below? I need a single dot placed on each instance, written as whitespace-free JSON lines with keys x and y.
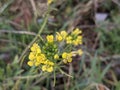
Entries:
{"x":97,"y":69}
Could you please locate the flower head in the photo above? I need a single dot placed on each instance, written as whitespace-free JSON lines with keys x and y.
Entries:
{"x":77,"y":31}
{"x":41,"y":58}
{"x":50,"y":38}
{"x":61,"y":36}
{"x":30,"y":63}
{"x":35,"y":48}
{"x":69,"y":40}
{"x":32,"y":56}
{"x":49,"y":2}
{"x":47,"y":68}
{"x":75,"y":38}
{"x":35,"y":52}
{"x":47,"y":57}
{"x":56,"y":56}
{"x":67,"y":57}
{"x":80,"y":52}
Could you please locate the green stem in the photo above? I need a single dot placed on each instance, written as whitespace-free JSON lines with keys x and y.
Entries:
{"x":54,"y":78}
{"x":64,"y":73}
{"x":68,"y":47}
{"x":34,"y":40}
{"x":26,"y":77}
{"x":42,"y":39}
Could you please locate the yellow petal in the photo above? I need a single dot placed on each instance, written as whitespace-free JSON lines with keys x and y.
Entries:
{"x":31,"y":56}
{"x":30,"y":63}
{"x":59,"y":37}
{"x":80,"y":52}
{"x":65,"y":61}
{"x":69,"y":60}
{"x":50,"y":38}
{"x":44,"y":68}
{"x":63,"y":34}
{"x":51,"y":63}
{"x":50,"y":69}
{"x":77,"y":31}
{"x":37,"y":63}
{"x":69,"y":40}
{"x":56,"y":56}
{"x":64,"y":55}
{"x":49,"y":2}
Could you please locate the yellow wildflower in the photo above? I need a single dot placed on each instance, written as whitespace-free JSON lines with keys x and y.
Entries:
{"x":35,"y":48}
{"x":64,"y":55}
{"x":50,"y":38}
{"x":56,"y":56}
{"x":50,"y":63}
{"x":49,"y":2}
{"x":75,"y":42}
{"x":76,"y":31}
{"x":80,"y":52}
{"x":50,"y":69}
{"x":41,"y":58}
{"x":79,"y":39}
{"x":61,"y":36}
{"x":47,"y":68}
{"x":37,"y":63}
{"x":30,"y":63}
{"x":74,"y":38}
{"x":69,"y":40}
{"x":35,"y":52}
{"x":44,"y":68}
{"x":67,"y":57}
{"x":32,"y":56}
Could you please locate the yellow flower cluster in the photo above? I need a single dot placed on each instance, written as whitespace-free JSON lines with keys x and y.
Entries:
{"x":61,"y":36}
{"x":37,"y":58}
{"x":75,"y":38}
{"x":67,"y":57}
{"x":50,"y":54}
{"x":48,"y":66}
{"x":50,"y":38}
{"x":35,"y":52}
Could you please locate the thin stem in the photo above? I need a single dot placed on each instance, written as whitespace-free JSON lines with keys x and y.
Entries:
{"x":26,"y":77}
{"x":54,"y":78}
{"x":65,"y":73}
{"x":23,"y":55}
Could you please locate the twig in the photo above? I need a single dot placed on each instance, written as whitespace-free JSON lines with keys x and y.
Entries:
{"x":18,"y":32}
{"x":5,"y":6}
{"x":34,"y":7}
{"x":116,"y":2}
{"x":40,"y":79}
{"x":95,"y":85}
{"x":8,"y":41}
{"x":69,"y":79}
